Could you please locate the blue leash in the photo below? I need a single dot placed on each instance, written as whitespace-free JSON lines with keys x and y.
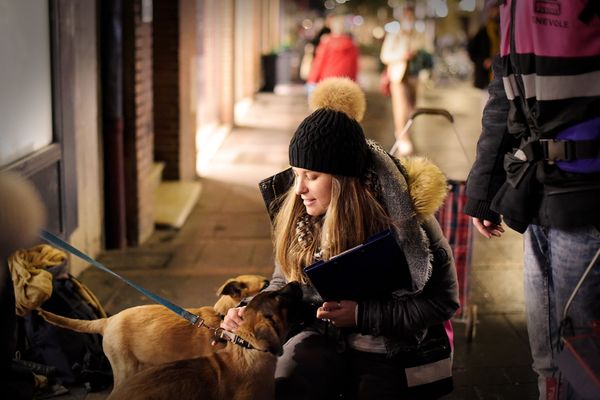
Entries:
{"x":219,"y":334}
{"x":58,"y":242}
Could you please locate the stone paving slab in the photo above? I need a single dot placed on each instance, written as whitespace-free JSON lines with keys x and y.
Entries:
{"x":227,"y":255}
{"x":496,"y":344}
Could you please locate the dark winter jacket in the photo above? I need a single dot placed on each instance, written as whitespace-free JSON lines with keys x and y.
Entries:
{"x":551,"y":58}
{"x":411,"y":195}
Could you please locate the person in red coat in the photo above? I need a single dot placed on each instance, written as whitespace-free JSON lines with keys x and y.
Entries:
{"x":336,"y":55}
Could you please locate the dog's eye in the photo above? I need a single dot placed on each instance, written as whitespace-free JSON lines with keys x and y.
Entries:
{"x":269,"y":317}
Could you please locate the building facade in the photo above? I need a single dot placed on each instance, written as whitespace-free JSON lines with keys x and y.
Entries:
{"x":102,"y":100}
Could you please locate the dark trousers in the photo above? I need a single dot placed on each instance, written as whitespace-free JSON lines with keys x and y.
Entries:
{"x":376,"y":376}
{"x":310,"y":368}
{"x":314,"y":367}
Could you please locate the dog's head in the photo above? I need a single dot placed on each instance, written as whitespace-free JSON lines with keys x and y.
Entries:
{"x":269,"y":316}
{"x":238,"y":288}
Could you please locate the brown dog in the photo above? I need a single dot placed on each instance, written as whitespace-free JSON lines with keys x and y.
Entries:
{"x":143,"y":336}
{"x":235,"y":372}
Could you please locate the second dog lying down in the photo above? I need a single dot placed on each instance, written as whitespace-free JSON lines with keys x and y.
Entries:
{"x":140,"y":337}
{"x":235,"y":372}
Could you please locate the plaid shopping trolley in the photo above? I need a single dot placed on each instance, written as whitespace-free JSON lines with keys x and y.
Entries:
{"x":456,"y":226}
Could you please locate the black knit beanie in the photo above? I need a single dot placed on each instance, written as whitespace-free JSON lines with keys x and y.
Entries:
{"x":330,"y":140}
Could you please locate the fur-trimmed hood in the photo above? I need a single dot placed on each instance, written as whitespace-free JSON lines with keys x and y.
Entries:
{"x":413,"y":189}
{"x":427,"y":185}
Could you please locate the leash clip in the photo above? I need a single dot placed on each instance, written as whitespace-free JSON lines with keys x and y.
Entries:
{"x":200,"y":323}
{"x":222,"y":335}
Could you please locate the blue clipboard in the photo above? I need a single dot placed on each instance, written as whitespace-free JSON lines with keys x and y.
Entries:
{"x":371,"y":270}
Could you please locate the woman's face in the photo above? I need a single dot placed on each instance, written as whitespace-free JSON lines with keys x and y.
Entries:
{"x":314,"y":188}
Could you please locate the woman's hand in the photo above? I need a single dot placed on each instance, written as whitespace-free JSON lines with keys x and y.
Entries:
{"x":488,"y":228}
{"x":233,"y":319}
{"x":340,"y":313}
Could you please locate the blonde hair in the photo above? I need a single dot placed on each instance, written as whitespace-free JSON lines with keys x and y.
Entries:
{"x":353,"y":215}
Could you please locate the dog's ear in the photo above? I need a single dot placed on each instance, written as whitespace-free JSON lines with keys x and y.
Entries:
{"x":266,"y":284}
{"x":232,"y":288}
{"x":292,"y":290}
{"x":299,"y":311}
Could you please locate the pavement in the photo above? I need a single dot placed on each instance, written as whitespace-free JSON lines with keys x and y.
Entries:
{"x":228,"y":233}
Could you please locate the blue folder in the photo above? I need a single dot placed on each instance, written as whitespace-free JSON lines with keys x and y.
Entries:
{"x":371,"y":270}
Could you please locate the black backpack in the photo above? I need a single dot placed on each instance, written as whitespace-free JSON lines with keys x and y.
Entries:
{"x":77,"y":357}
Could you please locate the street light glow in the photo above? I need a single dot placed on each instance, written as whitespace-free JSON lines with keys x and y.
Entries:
{"x":441,"y":8}
{"x":378,"y":32}
{"x":467,"y":5}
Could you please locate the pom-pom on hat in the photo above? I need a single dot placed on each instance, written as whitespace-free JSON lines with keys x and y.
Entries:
{"x":331,"y":139}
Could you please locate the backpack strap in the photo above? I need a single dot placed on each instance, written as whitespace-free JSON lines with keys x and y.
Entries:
{"x":89,"y":297}
{"x":569,"y":150}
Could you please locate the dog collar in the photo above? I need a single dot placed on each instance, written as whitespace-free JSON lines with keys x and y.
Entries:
{"x":222,"y":335}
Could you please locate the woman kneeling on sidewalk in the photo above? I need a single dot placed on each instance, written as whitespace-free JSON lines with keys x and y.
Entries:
{"x":347,"y":189}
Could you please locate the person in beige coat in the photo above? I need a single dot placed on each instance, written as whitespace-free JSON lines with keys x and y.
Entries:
{"x":398,"y":48}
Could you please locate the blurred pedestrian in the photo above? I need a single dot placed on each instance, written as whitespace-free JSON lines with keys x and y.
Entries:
{"x":538,"y":167}
{"x":336,"y":55}
{"x":309,"y":52}
{"x":322,"y":34}
{"x":483,"y":47}
{"x":398,"y":49}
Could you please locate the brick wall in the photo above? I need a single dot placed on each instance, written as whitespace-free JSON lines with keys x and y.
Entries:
{"x":166,"y":85}
{"x":139,"y":129}
{"x":174,"y":87}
